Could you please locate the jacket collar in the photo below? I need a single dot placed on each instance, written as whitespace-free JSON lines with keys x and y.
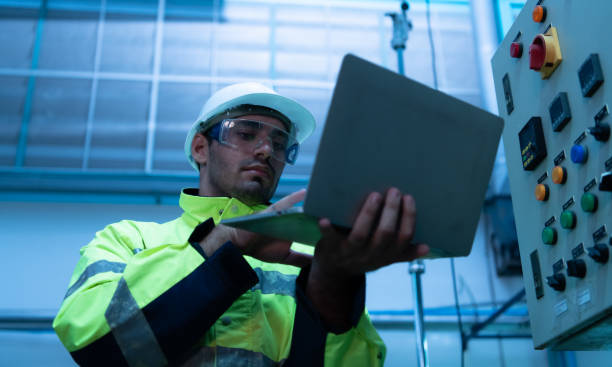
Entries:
{"x":199,"y":208}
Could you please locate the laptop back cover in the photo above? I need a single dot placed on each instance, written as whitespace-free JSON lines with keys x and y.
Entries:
{"x":384,"y":130}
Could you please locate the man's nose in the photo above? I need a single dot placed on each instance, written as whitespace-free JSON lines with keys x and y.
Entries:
{"x":264,"y":146}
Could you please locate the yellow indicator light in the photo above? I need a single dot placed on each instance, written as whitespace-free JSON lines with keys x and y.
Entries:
{"x":541,"y":192}
{"x":539,"y":14}
{"x":559,"y":175}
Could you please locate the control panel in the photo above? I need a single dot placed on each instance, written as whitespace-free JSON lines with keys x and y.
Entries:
{"x":553,"y":81}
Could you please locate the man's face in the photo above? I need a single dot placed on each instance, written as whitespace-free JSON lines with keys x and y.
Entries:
{"x":252,"y":176}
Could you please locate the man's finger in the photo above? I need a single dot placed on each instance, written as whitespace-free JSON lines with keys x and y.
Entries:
{"x":387,"y":225}
{"x":408,"y":219}
{"x":288,"y":201}
{"x":328,"y":231}
{"x":366,"y":219}
{"x":298,"y":259}
{"x":413,"y":252}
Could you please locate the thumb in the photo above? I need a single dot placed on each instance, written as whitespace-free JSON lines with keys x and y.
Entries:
{"x":288,"y":201}
{"x":298,"y":259}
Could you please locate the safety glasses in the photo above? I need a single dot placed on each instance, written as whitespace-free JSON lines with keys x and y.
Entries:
{"x":250,"y":135}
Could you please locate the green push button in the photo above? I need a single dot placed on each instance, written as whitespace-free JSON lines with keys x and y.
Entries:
{"x":568,"y":219}
{"x":588,"y":202}
{"x":549,"y":236}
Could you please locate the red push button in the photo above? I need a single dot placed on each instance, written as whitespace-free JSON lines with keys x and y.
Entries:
{"x":516,"y":50}
{"x":537,"y":53}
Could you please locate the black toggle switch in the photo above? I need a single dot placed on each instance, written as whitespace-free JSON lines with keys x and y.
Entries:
{"x":600,"y":253}
{"x":605,"y":184}
{"x":576,"y":268}
{"x":601,"y":131}
{"x":556,"y":282}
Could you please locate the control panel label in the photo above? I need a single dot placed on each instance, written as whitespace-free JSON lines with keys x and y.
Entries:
{"x":558,"y":266}
{"x":537,"y":274}
{"x":508,"y":94}
{"x":580,"y":138}
{"x":568,"y":203}
{"x":543,"y":177}
{"x":609,"y":164}
{"x":599,"y":233}
{"x":560,"y":307}
{"x":583,"y":297}
{"x":560,"y":158}
{"x":577,"y":251}
{"x":601,"y":114}
{"x":590,"y":185}
{"x":550,"y":221}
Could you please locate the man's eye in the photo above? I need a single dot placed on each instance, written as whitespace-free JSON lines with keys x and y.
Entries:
{"x":280,"y":146}
{"x":246,"y":136}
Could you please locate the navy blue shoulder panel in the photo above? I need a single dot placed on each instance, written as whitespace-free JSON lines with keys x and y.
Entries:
{"x":309,"y":331}
{"x":102,"y":352}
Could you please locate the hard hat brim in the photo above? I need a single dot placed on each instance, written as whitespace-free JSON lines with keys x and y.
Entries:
{"x":302,"y":120}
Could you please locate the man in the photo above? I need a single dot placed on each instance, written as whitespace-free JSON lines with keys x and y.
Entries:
{"x":197,"y":293}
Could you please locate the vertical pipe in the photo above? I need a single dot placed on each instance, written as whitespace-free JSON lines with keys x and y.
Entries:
{"x":400,"y":61}
{"x":401,"y":26}
{"x":417,"y":268}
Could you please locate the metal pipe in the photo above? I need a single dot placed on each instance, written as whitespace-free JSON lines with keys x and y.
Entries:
{"x":401,"y":27}
{"x":400,"y":61}
{"x":416,"y":268}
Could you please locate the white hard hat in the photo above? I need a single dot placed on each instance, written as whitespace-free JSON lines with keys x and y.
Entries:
{"x":255,"y":94}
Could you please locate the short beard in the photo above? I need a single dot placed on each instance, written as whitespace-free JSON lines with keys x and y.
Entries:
{"x":250,"y":193}
{"x":255,"y":196}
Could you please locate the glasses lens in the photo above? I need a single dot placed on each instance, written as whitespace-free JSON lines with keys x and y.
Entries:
{"x":249,"y":135}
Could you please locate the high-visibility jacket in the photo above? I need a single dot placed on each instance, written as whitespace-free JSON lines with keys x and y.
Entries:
{"x":142,"y":295}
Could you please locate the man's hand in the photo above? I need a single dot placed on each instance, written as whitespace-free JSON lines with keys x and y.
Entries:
{"x":256,"y":245}
{"x":381,"y":235}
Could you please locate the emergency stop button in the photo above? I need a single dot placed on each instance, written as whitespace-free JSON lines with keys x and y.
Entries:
{"x":537,"y":54}
{"x":545,"y":53}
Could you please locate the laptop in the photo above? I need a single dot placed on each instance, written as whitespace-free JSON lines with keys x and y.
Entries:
{"x":385,"y":130}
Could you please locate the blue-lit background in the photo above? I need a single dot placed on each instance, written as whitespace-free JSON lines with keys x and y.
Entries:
{"x":99,"y":88}
{"x":97,"y":96}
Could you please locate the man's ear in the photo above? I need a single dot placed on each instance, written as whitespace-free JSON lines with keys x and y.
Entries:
{"x":199,"y":149}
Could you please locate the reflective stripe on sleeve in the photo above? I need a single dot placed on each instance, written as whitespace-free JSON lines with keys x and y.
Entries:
{"x":92,"y":269}
{"x":131,"y":330}
{"x":230,"y":357}
{"x":275,"y":282}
